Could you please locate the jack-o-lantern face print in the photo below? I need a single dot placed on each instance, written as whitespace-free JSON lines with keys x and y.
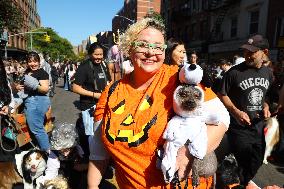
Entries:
{"x":124,"y":131}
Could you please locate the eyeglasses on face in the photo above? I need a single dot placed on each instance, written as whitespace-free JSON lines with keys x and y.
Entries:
{"x":144,"y":47}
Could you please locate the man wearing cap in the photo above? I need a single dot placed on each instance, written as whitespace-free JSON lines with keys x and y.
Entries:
{"x":243,"y":91}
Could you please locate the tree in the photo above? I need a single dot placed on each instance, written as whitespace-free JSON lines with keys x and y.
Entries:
{"x":11,"y":17}
{"x":155,"y":15}
{"x":56,"y":47}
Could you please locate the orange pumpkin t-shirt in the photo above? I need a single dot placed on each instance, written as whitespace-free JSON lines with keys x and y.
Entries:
{"x":133,"y":125}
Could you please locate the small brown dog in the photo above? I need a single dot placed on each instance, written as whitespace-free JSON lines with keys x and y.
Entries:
{"x":58,"y":182}
{"x":8,"y":175}
{"x":28,"y":166}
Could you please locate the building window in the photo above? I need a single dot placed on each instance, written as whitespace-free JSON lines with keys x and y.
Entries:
{"x":281,"y":26}
{"x":203,"y":30}
{"x":234,"y":27}
{"x":185,"y":35}
{"x":194,"y":5}
{"x":193,"y":31}
{"x":204,"y":4}
{"x":253,"y":27}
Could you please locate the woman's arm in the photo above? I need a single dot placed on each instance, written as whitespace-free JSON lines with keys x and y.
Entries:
{"x":81,"y":91}
{"x":43,"y":86}
{"x":215,"y":134}
{"x":184,"y":158}
{"x":95,"y":172}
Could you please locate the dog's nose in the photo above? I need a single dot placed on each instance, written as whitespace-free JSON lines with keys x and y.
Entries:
{"x":33,"y":166}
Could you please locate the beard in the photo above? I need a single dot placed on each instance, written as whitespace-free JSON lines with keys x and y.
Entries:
{"x":255,"y":63}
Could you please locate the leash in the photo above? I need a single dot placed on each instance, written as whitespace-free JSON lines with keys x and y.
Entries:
{"x":18,"y":129}
{"x":1,"y":139}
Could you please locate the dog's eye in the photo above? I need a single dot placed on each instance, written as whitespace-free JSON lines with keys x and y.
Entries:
{"x":38,"y":156}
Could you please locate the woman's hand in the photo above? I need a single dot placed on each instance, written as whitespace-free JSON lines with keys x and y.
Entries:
{"x":19,"y":87}
{"x":183,"y":162}
{"x":4,"y":110}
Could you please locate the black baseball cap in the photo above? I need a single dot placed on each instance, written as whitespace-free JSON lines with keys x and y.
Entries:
{"x":255,"y":43}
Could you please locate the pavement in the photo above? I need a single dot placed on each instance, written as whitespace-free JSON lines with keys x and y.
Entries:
{"x":64,"y":109}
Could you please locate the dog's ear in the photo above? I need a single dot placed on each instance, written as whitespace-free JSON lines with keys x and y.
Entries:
{"x":26,"y":173}
{"x":43,"y":154}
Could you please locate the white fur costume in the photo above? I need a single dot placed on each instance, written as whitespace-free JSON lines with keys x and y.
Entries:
{"x":187,"y":126}
{"x":40,"y":170}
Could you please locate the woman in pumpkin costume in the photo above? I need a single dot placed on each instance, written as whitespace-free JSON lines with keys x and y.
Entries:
{"x":132,"y":114}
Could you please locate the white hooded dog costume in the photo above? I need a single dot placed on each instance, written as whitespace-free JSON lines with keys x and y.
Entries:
{"x":188,"y":126}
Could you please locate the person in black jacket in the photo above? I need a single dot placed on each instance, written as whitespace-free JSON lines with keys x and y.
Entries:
{"x":54,"y":75}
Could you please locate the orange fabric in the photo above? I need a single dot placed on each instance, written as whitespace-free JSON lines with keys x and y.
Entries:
{"x":133,"y":124}
{"x":209,"y":94}
{"x":205,"y":183}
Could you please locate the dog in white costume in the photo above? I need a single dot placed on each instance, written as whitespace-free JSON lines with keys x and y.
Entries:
{"x":188,"y":126}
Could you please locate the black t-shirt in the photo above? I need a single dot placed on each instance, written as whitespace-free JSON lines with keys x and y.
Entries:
{"x":86,"y":76}
{"x":247,"y":87}
{"x":39,"y":74}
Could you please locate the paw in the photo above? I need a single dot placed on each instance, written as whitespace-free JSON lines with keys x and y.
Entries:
{"x":265,"y":161}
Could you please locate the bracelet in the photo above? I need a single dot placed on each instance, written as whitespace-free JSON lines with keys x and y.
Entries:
{"x":93,"y":94}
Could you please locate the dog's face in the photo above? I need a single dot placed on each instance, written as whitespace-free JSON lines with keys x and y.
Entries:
{"x":33,"y":165}
{"x":187,"y":99}
{"x":228,"y":172}
{"x":34,"y":160}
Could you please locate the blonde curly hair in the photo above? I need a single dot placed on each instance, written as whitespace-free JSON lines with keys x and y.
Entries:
{"x":132,"y":32}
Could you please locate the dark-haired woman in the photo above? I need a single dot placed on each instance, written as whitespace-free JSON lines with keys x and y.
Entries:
{"x":36,"y":86}
{"x":91,"y":77}
{"x":175,"y":52}
{"x":5,"y":91}
{"x":5,"y":102}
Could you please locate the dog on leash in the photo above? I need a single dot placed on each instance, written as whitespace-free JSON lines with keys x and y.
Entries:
{"x":271,"y":134}
{"x":227,"y":175}
{"x":33,"y":166}
{"x":28,"y":166}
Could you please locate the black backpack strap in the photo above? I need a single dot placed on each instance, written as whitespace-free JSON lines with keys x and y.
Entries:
{"x":179,"y":68}
{"x":112,"y":88}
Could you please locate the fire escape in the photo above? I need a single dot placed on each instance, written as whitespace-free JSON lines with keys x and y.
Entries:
{"x":220,"y":7}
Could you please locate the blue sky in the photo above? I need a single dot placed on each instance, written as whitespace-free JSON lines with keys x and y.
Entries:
{"x":75,"y":20}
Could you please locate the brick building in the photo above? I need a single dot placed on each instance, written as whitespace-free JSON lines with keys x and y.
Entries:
{"x":31,"y":20}
{"x":217,"y":28}
{"x":133,"y":10}
{"x":275,"y":28}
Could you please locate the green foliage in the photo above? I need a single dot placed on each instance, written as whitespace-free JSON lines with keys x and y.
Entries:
{"x":10,"y":16}
{"x":156,"y":15}
{"x":81,"y":56}
{"x":57,"y":48}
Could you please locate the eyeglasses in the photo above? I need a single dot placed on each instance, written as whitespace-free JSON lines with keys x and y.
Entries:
{"x":144,"y":47}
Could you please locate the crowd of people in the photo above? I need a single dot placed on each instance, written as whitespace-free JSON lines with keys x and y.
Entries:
{"x":124,"y":112}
